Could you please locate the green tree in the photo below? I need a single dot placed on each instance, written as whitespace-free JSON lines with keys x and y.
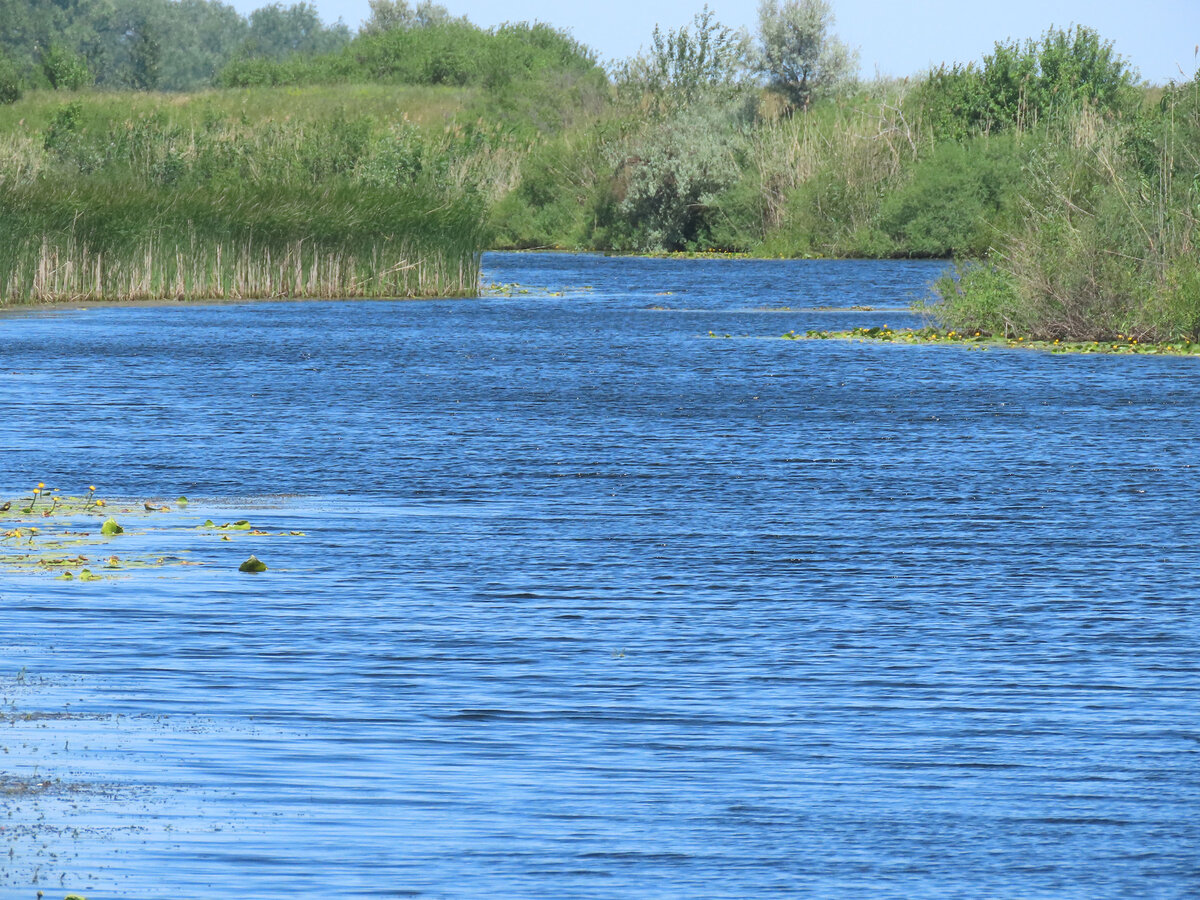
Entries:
{"x":202,"y":36}
{"x":145,"y":54}
{"x":389,"y":14}
{"x":10,"y":80}
{"x":65,"y":70}
{"x":685,"y":65}
{"x":800,"y":56}
{"x":277,"y":31}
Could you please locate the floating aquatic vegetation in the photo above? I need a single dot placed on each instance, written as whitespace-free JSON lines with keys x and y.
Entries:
{"x":514,"y":289}
{"x":1122,"y":344}
{"x":68,"y":540}
{"x":253,"y":565}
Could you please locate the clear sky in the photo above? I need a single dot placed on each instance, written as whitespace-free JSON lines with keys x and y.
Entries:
{"x":894,"y":38}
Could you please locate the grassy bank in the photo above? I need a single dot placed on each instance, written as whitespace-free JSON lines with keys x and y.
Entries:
{"x":1108,"y":242}
{"x":384,"y":163}
{"x":239,"y":194}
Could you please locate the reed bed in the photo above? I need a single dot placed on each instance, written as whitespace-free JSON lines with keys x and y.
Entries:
{"x":148,"y":209}
{"x":69,"y":270}
{"x":156,"y":245}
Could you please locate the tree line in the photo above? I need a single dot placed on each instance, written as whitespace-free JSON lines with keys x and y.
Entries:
{"x":171,"y":45}
{"x":1065,"y":185}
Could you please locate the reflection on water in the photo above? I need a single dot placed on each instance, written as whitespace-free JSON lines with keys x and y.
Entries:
{"x":592,"y":605}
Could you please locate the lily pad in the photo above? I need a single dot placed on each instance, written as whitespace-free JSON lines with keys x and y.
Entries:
{"x":110,"y":527}
{"x":253,"y":565}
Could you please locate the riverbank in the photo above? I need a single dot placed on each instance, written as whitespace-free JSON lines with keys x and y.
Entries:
{"x":354,"y":180}
{"x":976,"y":340}
{"x":160,"y":198}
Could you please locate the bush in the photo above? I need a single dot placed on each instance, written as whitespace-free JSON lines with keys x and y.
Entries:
{"x":445,"y":52}
{"x":667,"y":183}
{"x":955,"y":198}
{"x":1021,"y":85}
{"x":10,"y":81}
{"x":66,"y":71}
{"x":553,"y":203}
{"x":979,"y":297}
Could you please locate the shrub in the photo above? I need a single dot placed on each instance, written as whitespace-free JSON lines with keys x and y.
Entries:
{"x":444,"y":52}
{"x":667,"y":182}
{"x":10,"y":81}
{"x":1020,"y":85}
{"x":979,"y":296}
{"x":954,"y":198}
{"x":66,"y":71}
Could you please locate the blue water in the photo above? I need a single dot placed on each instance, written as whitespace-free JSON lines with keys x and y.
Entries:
{"x":594,"y":605}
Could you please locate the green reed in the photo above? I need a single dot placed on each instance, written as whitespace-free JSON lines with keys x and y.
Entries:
{"x":109,"y":242}
{"x":168,"y":205}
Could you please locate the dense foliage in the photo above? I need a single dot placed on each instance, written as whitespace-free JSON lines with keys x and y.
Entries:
{"x":196,"y":200}
{"x":1021,"y":85}
{"x":800,"y":57}
{"x":151,"y":44}
{"x":1068,"y":186}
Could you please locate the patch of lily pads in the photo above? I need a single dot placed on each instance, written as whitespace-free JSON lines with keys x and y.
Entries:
{"x":86,"y":538}
{"x":514,"y":289}
{"x":977,"y":340}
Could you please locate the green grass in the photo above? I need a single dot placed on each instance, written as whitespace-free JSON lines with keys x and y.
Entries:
{"x":432,"y":106}
{"x":117,"y":241}
{"x":308,"y":192}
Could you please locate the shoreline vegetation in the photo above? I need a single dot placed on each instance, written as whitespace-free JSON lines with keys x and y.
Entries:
{"x":978,"y":340}
{"x":180,"y":151}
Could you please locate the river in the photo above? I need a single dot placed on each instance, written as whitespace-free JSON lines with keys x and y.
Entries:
{"x":591,"y":603}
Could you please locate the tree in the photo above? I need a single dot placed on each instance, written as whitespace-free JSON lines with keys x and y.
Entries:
{"x":277,"y":30}
{"x":801,"y":57}
{"x":203,"y":36}
{"x":145,"y":53}
{"x":389,"y":14}
{"x":10,"y":81}
{"x":66,"y":71}
{"x":685,"y":65}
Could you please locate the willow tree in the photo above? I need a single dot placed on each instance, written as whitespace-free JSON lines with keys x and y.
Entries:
{"x":800,"y":56}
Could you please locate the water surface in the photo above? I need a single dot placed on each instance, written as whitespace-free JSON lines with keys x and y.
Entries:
{"x":592,"y":604}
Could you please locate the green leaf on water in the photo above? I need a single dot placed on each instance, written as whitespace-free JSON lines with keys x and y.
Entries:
{"x":253,"y":565}
{"x":110,"y":527}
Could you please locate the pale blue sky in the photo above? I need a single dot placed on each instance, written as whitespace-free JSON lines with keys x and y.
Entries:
{"x":895,"y":38}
